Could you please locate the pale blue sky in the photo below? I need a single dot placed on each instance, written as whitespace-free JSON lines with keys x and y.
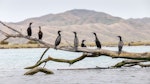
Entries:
{"x":18,"y":10}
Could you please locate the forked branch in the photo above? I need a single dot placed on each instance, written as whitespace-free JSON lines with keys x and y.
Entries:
{"x":87,"y":52}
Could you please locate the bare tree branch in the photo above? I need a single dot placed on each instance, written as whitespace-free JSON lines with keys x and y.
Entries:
{"x":20,"y":35}
{"x":129,"y":55}
{"x":87,"y":52}
{"x":43,"y":55}
{"x":4,"y":33}
{"x":38,"y":69}
{"x":58,"y":60}
{"x":86,"y":55}
{"x":7,"y":35}
{"x":128,"y":63}
{"x":10,"y":28}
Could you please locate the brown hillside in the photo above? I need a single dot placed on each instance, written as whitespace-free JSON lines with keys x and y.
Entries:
{"x":85,"y":22}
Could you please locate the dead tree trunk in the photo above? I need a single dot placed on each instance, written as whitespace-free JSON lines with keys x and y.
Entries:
{"x":87,"y":52}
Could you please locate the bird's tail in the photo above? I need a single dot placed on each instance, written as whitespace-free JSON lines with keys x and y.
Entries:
{"x":98,"y":47}
{"x":76,"y":48}
{"x":119,"y":51}
{"x":55,"y":47}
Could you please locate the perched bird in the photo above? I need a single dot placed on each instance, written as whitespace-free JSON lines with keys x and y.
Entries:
{"x":40,"y":33}
{"x":120,"y":45}
{"x":58,"y":40}
{"x":76,"y":41}
{"x":82,"y":44}
{"x":97,"y":42}
{"x":29,"y":31}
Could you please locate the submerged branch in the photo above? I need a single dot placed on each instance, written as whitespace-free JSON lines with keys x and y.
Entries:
{"x":128,"y":63}
{"x":96,"y":54}
{"x":58,"y":60}
{"x":38,"y":69}
{"x":43,"y":55}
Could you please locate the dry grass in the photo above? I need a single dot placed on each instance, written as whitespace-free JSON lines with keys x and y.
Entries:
{"x":4,"y":42}
{"x":109,"y":44}
{"x":146,"y":43}
{"x":91,"y":44}
{"x":20,"y":46}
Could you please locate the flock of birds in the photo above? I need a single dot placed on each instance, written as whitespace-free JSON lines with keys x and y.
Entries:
{"x":76,"y":41}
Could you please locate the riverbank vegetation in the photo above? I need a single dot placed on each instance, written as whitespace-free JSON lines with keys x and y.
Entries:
{"x":33,"y":44}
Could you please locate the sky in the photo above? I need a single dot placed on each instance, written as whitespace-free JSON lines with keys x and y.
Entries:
{"x":18,"y":10}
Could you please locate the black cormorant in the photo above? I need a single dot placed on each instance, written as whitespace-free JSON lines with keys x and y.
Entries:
{"x":120,"y":45}
{"x":76,"y":41}
{"x":40,"y":33}
{"x":58,"y":39}
{"x":82,"y":44}
{"x":97,"y":42}
{"x":29,"y":31}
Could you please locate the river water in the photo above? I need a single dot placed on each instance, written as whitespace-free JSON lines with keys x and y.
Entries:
{"x":13,"y":62}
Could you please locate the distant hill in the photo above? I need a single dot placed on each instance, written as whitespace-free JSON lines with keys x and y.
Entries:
{"x":85,"y":22}
{"x":77,"y":17}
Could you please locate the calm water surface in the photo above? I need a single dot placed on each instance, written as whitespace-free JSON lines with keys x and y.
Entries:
{"x":13,"y":62}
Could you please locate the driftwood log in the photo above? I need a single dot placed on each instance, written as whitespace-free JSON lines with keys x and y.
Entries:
{"x":38,"y":69}
{"x":128,"y":63}
{"x":86,"y":52}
